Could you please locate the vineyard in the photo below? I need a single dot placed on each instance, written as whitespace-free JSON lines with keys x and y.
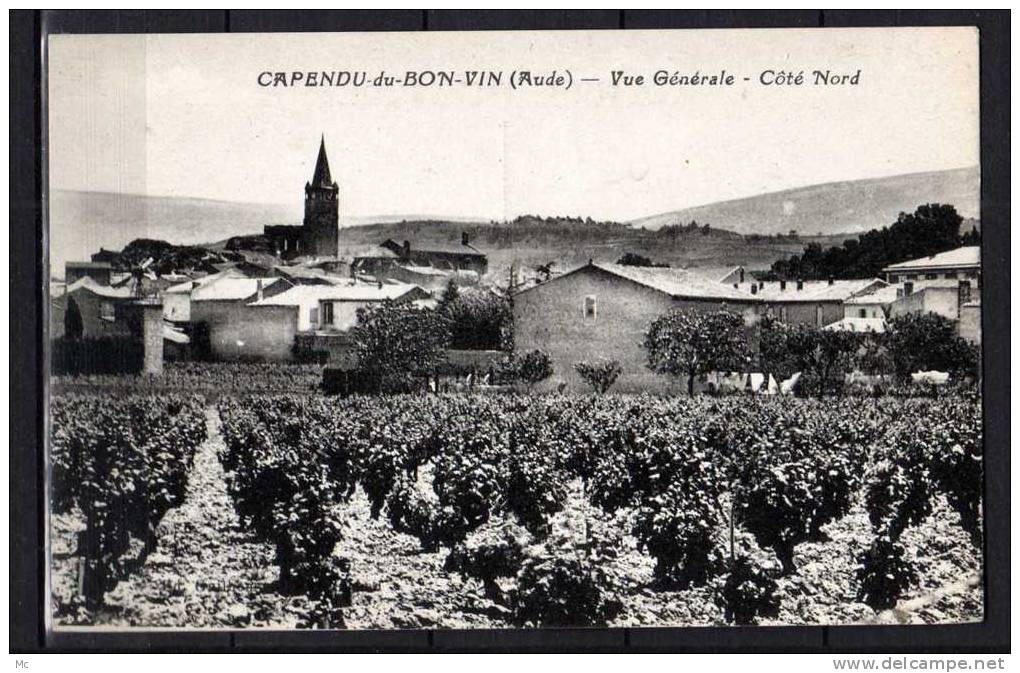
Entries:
{"x":511,"y":510}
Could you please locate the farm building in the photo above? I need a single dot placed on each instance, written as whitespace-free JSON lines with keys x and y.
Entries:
{"x":317,"y":317}
{"x":440,"y":256}
{"x":604,"y":310}
{"x":102,"y":308}
{"x":957,"y":264}
{"x":808,"y":302}
{"x":219,"y":309}
{"x":100,"y":272}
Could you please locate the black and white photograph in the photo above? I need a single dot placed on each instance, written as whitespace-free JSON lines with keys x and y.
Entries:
{"x":514,"y":329}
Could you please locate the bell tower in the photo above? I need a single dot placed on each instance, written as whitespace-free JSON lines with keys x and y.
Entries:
{"x":320,"y":231}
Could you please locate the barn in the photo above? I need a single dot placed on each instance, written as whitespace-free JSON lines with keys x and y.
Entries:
{"x":604,"y":310}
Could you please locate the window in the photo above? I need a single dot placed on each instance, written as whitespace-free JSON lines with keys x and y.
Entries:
{"x":590,"y":307}
{"x":782,"y":313}
{"x":950,"y":275}
{"x":893,"y":278}
{"x":863,"y":313}
{"x":910,"y":276}
{"x":313,"y":316}
{"x":930,"y":276}
{"x":327,"y":313}
{"x":818,"y":315}
{"x":106,"y":311}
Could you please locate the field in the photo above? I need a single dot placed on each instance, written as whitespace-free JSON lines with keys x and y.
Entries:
{"x":282,"y":510}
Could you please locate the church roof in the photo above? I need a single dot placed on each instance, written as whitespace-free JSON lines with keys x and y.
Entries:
{"x":322,"y":178}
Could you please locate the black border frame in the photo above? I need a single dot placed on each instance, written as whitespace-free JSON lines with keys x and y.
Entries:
{"x":27,"y":555}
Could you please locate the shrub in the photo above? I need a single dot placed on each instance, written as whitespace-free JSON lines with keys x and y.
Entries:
{"x":489,"y":558}
{"x":679,"y":528}
{"x":749,"y":592}
{"x":563,"y":590}
{"x":599,"y":374}
{"x":535,"y":366}
{"x":884,"y":574}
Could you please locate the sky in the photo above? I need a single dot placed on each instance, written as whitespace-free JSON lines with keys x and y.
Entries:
{"x":183,"y":115}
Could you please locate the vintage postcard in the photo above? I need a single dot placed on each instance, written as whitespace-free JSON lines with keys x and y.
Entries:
{"x":514,"y":329}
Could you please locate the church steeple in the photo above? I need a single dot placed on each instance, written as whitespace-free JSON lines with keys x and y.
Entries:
{"x":322,"y":178}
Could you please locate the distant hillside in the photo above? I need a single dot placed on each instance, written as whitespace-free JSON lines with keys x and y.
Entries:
{"x":82,"y":222}
{"x":835,"y":207}
{"x":530,"y":241}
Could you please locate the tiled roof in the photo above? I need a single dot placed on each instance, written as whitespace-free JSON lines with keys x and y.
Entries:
{"x":969,"y":255}
{"x":310,"y":295}
{"x":86,"y":283}
{"x":230,"y":289}
{"x":678,"y":283}
{"x":882,"y":295}
{"x":812,"y":290}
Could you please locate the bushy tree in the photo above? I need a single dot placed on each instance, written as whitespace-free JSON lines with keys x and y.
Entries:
{"x":687,"y":343}
{"x":534,"y":366}
{"x":823,"y":356}
{"x":396,"y":342}
{"x":930,"y":229}
{"x":599,"y":374}
{"x":478,"y":319}
{"x":633,"y":259}
{"x":928,"y":341}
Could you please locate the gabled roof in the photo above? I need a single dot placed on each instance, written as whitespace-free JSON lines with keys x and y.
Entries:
{"x":966,"y":256}
{"x":310,"y":295}
{"x":677,"y":283}
{"x":230,"y":289}
{"x":813,"y":290}
{"x":441,"y":248}
{"x":107,"y":291}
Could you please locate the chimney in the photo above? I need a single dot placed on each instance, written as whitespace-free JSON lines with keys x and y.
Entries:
{"x":741,"y":274}
{"x":258,"y":290}
{"x":464,"y":238}
{"x":800,"y":285}
{"x":964,"y":292}
{"x":831,"y":281}
{"x":782,"y":286}
{"x":407,"y":248}
{"x":908,"y":289}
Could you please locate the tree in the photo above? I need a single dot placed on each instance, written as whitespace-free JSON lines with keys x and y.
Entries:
{"x":632,"y":259}
{"x":599,"y":374}
{"x":823,"y":356}
{"x":928,"y":341}
{"x":689,"y":344}
{"x":74,"y":327}
{"x":930,"y":229}
{"x":450,"y":294}
{"x":478,"y":319}
{"x":534,"y":366}
{"x":774,"y":355}
{"x":395,"y":343}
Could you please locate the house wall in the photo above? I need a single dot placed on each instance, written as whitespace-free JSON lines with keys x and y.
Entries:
{"x":93,"y":324}
{"x":551,"y":317}
{"x":806,"y":313}
{"x":970,"y":323}
{"x":249,"y":333}
{"x":870,"y":310}
{"x":941,"y":300}
{"x":177,"y":306}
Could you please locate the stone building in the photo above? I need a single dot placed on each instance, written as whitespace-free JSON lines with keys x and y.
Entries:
{"x":808,"y":302}
{"x":962,"y":263}
{"x":604,"y":310}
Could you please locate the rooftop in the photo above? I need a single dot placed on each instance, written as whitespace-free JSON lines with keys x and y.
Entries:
{"x":305,"y":295}
{"x":230,"y":289}
{"x":967,"y":256}
{"x":86,"y":283}
{"x":812,"y":290}
{"x":678,"y":283}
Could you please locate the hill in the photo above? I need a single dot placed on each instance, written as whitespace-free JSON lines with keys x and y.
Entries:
{"x":834,"y":208}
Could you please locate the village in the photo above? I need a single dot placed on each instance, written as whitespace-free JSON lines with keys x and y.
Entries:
{"x":301,"y":305}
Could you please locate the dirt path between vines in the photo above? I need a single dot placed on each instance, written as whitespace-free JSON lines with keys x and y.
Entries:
{"x":205,"y":571}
